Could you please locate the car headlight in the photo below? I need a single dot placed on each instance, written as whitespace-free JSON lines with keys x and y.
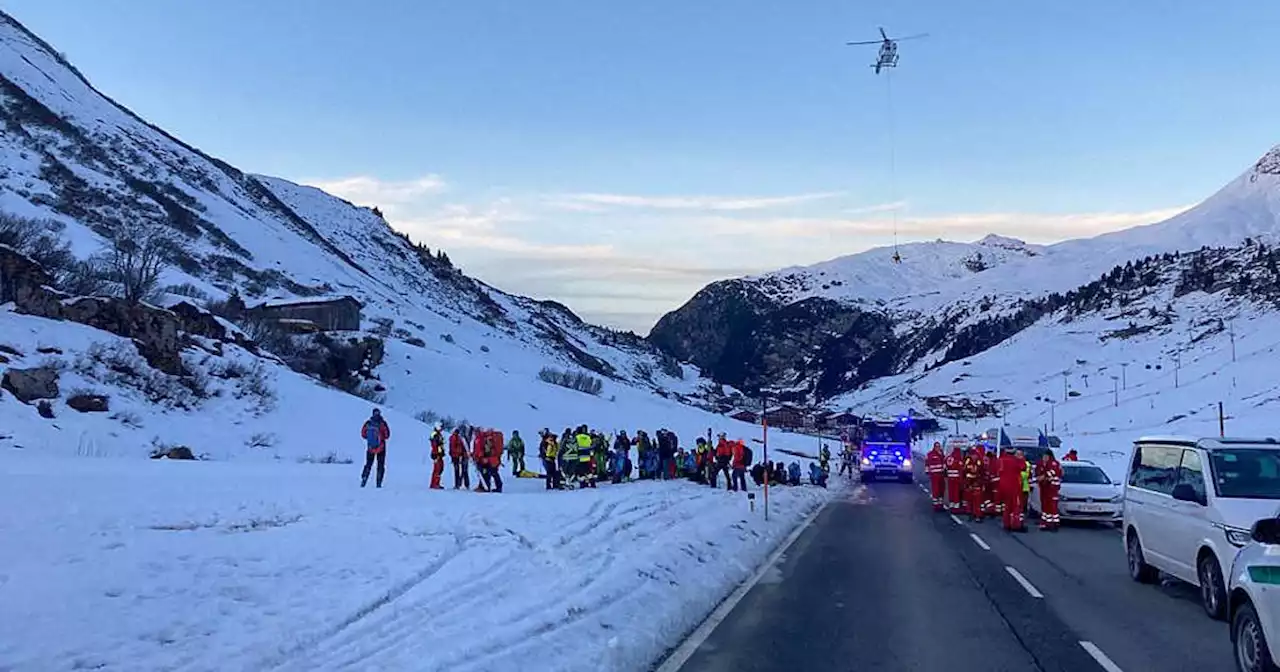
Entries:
{"x":865,"y":461}
{"x":1237,"y":536}
{"x":907,"y":463}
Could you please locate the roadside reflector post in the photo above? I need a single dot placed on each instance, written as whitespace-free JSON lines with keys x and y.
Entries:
{"x":751,"y":498}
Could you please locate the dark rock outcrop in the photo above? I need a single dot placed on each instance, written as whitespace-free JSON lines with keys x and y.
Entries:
{"x":29,"y":385}
{"x":89,"y":403}
{"x":812,"y":348}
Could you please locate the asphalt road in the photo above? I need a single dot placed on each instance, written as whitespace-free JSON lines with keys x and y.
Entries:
{"x":880,"y":582}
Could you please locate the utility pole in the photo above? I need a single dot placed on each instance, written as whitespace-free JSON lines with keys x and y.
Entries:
{"x":1231,"y":330}
{"x":1115,"y":390}
{"x":1222,"y":426}
{"x":1177,"y":364}
{"x":1053,"y":426}
{"x":764,"y":440}
{"x":1124,"y":378}
{"x":1064,"y":386}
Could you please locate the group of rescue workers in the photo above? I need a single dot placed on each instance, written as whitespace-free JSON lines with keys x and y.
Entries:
{"x":979,"y":483}
{"x":582,"y":457}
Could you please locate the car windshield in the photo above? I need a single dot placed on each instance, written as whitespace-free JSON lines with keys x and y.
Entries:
{"x":1090,"y":475}
{"x":884,"y":435}
{"x":1246,"y":473}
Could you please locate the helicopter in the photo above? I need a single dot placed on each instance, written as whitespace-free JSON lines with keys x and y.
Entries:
{"x":888,"y":57}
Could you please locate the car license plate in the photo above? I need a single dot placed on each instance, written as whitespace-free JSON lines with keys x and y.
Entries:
{"x":1090,"y":508}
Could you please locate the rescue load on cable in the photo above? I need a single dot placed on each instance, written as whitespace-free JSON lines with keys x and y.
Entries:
{"x":888,"y":58}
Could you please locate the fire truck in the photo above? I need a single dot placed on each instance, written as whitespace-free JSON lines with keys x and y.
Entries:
{"x":886,"y":450}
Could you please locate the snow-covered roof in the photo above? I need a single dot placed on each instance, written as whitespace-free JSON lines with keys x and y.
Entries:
{"x":306,"y":301}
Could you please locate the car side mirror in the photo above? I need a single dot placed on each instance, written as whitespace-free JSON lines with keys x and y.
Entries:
{"x":1183,"y":492}
{"x":1266,"y":531}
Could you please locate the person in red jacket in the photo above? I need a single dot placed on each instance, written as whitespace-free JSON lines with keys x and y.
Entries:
{"x":1049,"y":478}
{"x":975,"y":487}
{"x":492,"y":462}
{"x":992,"y":496}
{"x":1071,"y":456}
{"x":437,"y":457}
{"x":375,"y":433}
{"x":458,"y":458}
{"x":1011,"y":467}
{"x":935,"y":466}
{"x":739,"y":460}
{"x":478,"y":457}
{"x":955,"y":480}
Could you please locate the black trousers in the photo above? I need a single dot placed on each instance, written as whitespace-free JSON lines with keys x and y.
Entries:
{"x":369,"y":457}
{"x":492,"y":478}
{"x":461,"y":475}
{"x":738,"y":480}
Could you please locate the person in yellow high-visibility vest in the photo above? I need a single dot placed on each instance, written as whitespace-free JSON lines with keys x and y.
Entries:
{"x":1026,"y":483}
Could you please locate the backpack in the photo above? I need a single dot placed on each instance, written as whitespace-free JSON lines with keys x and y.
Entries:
{"x":747,"y":456}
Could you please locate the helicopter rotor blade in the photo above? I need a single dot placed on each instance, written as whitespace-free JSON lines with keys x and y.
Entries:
{"x":871,"y":42}
{"x":882,"y":33}
{"x":911,"y":37}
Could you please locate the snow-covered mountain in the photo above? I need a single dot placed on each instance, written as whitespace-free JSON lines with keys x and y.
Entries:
{"x":73,"y":155}
{"x":813,"y":333}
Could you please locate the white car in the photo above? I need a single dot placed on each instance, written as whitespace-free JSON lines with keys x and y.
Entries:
{"x":1254,"y":599}
{"x":1087,"y":494}
{"x":1189,"y":505}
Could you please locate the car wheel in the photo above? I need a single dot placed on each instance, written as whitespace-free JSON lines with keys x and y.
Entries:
{"x":1139,"y":570}
{"x":1213,"y":594}
{"x":1250,"y":643}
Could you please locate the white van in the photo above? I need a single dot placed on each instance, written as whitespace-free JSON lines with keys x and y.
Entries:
{"x":1189,"y":505}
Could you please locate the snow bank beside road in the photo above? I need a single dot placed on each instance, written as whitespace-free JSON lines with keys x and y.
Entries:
{"x":121,"y":565}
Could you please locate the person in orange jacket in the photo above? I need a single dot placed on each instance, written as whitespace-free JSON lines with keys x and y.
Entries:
{"x":992,"y":497}
{"x":724,"y":456}
{"x":739,"y":462}
{"x":935,"y":465}
{"x":437,"y":457}
{"x":491,"y":451}
{"x":1071,"y":456}
{"x":375,"y":433}
{"x":975,"y":487}
{"x":1049,"y":478}
{"x":458,"y":458}
{"x":955,"y":480}
{"x":1011,"y":467}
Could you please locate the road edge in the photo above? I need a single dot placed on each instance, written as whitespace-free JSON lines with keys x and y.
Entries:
{"x":674,"y":661}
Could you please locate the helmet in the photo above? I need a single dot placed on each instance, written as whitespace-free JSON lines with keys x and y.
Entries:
{"x":439,"y":426}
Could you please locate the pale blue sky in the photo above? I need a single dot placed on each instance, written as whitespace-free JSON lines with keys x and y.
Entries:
{"x":618,"y":155}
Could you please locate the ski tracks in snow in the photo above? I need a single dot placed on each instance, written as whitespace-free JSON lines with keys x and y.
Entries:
{"x":492,"y":578}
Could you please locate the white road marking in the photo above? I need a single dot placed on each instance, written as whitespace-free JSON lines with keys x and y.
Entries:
{"x":1101,"y":657}
{"x":681,"y":655}
{"x":958,"y":521}
{"x":978,"y":540}
{"x":1023,"y":580}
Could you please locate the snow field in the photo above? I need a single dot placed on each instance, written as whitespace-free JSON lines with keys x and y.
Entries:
{"x":163,"y":565}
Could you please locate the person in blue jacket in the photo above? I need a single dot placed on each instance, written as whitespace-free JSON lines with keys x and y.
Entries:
{"x":817,"y":476}
{"x":793,"y":473}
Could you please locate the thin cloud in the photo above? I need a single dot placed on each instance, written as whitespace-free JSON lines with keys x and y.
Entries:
{"x":595,"y":202}
{"x":366,"y":190}
{"x":1034,"y":227}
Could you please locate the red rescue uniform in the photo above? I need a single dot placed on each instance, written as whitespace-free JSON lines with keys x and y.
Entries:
{"x":975,"y":487}
{"x":1011,"y":467}
{"x":935,"y":465}
{"x":955,"y":480}
{"x":437,"y":459}
{"x":994,"y":506}
{"x":1049,"y":478}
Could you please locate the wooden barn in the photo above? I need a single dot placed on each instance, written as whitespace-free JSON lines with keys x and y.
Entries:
{"x":340,"y":313}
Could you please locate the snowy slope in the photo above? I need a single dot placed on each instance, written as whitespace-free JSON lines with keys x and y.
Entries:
{"x":882,"y":317}
{"x":1079,"y":377}
{"x":70,"y":153}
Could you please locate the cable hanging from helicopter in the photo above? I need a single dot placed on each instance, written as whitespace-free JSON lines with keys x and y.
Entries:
{"x":888,"y":58}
